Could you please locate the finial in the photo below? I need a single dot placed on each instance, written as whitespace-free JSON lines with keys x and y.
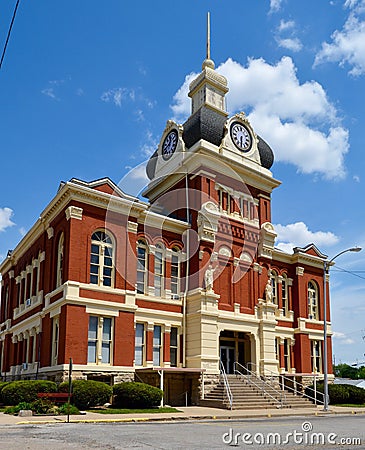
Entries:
{"x":208,"y":62}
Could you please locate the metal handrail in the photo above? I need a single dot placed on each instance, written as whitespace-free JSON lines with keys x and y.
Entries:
{"x":250,"y":375}
{"x":296,"y":383}
{"x":226,"y":384}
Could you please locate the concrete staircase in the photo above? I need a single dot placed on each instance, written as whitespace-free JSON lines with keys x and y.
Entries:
{"x":248,"y":396}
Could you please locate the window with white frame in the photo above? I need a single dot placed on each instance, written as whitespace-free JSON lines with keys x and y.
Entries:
{"x":316,"y":353}
{"x":142,"y":263}
{"x":55,"y":339}
{"x":159,"y":270}
{"x":100,"y":340}
{"x":6,"y":304}
{"x":274,"y":284}
{"x":157,"y":345}
{"x":313,"y":312}
{"x":173,"y":346}
{"x":60,"y":258}
{"x":277,"y":349}
{"x":175,"y":274}
{"x":287,"y":354}
{"x":101,"y":259}
{"x":139,"y":346}
{"x":284,"y":295}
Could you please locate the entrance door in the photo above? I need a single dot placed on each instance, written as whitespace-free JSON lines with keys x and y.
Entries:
{"x":227,"y":355}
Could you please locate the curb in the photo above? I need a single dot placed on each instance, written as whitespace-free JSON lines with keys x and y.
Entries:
{"x":240,"y":416}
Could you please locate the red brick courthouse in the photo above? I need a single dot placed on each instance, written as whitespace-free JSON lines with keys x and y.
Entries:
{"x":182,"y":284}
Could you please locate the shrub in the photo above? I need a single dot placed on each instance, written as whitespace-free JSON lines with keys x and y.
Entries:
{"x":43,"y":406}
{"x":136,"y":395}
{"x":356,"y":395}
{"x":68,"y":409}
{"x":17,"y":408}
{"x":339,"y":393}
{"x":25,"y":390}
{"x":88,"y":393}
{"x":2,"y":385}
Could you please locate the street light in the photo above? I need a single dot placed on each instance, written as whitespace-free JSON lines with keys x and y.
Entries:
{"x":326,"y":268}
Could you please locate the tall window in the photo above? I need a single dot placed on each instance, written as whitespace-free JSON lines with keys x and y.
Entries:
{"x":60,"y":258}
{"x":141,"y":267}
{"x":316,"y":356}
{"x":287,"y":354}
{"x":101,"y":259}
{"x":6,"y":305}
{"x":100,"y":340}
{"x":157,"y":345}
{"x":139,"y":347}
{"x":175,"y":274}
{"x":277,"y":349}
{"x":274,"y":284}
{"x":173,"y":346}
{"x":284,"y":295}
{"x":313,"y":301}
{"x":159,"y":271}
{"x":55,"y":339}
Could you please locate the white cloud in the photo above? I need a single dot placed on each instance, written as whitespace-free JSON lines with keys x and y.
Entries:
{"x":293,"y":44}
{"x":114,"y":96}
{"x":343,"y":338}
{"x":22,"y":231}
{"x":275,"y":5}
{"x":49,"y":92}
{"x":286,"y":25}
{"x":348,"y":45}
{"x":356,"y":178}
{"x":298,"y":235}
{"x":5,"y":218}
{"x":286,"y":36}
{"x":297,"y":120}
{"x":150,"y":144}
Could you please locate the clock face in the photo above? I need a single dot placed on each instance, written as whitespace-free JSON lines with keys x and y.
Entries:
{"x":241,"y":137}
{"x":169,"y":145}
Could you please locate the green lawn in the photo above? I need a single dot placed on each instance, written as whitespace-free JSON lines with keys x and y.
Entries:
{"x":133,"y":411}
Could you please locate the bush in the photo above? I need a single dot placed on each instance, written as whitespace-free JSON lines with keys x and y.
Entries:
{"x":2,"y":385}
{"x":88,"y":393}
{"x":136,"y":395}
{"x":44,"y":406}
{"x":17,"y":408}
{"x":25,"y":390}
{"x":339,"y":393}
{"x":68,"y":409}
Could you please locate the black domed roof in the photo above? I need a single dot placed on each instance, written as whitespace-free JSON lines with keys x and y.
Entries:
{"x":204,"y":124}
{"x":266,"y":154}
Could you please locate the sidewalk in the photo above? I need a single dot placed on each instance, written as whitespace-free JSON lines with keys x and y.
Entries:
{"x":187,"y":413}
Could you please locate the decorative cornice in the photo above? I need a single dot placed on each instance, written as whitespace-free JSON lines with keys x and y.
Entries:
{"x":73,"y":212}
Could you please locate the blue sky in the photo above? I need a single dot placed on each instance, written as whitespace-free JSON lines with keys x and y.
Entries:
{"x":86,"y":89}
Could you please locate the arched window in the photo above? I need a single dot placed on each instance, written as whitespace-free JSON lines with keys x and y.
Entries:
{"x":60,"y":254}
{"x":101,"y":259}
{"x":274,"y":284}
{"x":159,"y":271}
{"x":175,"y":274}
{"x":142,"y":259}
{"x":284,"y":295}
{"x":313,"y":312}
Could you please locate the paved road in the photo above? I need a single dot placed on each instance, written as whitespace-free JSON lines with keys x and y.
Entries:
{"x":292,"y":433}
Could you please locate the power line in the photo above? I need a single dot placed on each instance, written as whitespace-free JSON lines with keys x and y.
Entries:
{"x":355,"y":274}
{"x":9,"y":32}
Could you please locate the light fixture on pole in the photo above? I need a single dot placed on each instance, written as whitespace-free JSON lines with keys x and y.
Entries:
{"x":326,"y":268}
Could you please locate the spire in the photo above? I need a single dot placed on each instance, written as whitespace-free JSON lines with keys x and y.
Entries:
{"x":208,"y":62}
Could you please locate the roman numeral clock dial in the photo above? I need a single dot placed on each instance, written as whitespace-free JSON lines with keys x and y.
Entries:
{"x":169,"y":145}
{"x":241,"y":137}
